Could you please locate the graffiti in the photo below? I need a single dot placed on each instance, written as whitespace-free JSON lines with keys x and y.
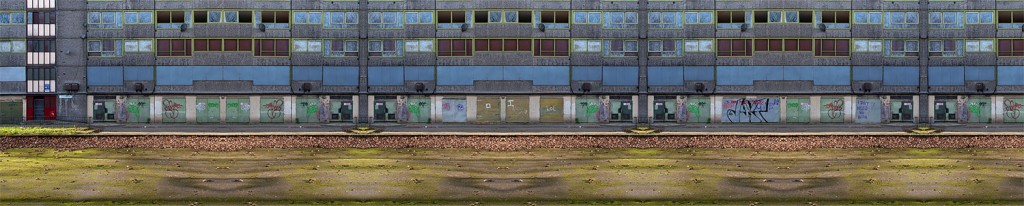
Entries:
{"x":244,"y":106}
{"x":975,"y":109}
{"x":171,"y":109}
{"x":274,"y":108}
{"x":201,"y":106}
{"x":120,"y":110}
{"x":835,"y":109}
{"x":460,"y":107}
{"x":751,"y":110}
{"x":1011,"y":109}
{"x":513,"y":110}
{"x":604,"y":110}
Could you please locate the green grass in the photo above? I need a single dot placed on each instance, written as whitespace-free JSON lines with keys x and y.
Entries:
{"x":42,"y":131}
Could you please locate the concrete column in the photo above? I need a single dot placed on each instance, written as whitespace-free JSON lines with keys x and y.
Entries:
{"x":636,"y":106}
{"x":88,"y":109}
{"x":436,"y":113}
{"x":782,"y":108}
{"x":716,"y":113}
{"x":223,"y":109}
{"x":254,"y":109}
{"x":815,"y":109}
{"x":917,"y":107}
{"x":931,"y":112}
{"x":849,"y":109}
{"x":503,"y":106}
{"x":534,"y":109}
{"x":157,"y":113}
{"x":289,"y":109}
{"x":568,"y":109}
{"x":370,"y":105}
{"x":356,"y":108}
{"x":997,"y":109}
{"x":190,"y":109}
{"x":470,"y":108}
{"x":650,"y":106}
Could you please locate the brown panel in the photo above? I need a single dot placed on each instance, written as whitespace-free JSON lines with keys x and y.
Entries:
{"x":458,"y":17}
{"x":481,"y":45}
{"x":488,"y":109}
{"x":444,"y":17}
{"x":509,"y":44}
{"x":201,"y":45}
{"x":231,"y":45}
{"x":761,"y":45}
{"x":200,"y":17}
{"x":480,"y":17}
{"x":525,"y":16}
{"x":215,"y":45}
{"x":761,"y":17}
{"x":282,"y":17}
{"x":551,"y":110}
{"x":775,"y":45}
{"x":517,"y":109}
{"x":245,"y":45}
{"x":562,"y":17}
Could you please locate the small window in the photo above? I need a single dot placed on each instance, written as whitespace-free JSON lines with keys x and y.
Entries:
{"x":11,"y":18}
{"x":832,"y":47}
{"x":341,"y":20}
{"x":982,"y":45}
{"x":701,"y":17}
{"x":554,"y":19}
{"x":420,"y":17}
{"x":386,"y":48}
{"x":238,"y":45}
{"x":735,"y":47}
{"x":244,"y":16}
{"x":1010,"y":19}
{"x":307,"y":45}
{"x":583,"y":17}
{"x":48,"y":17}
{"x":620,"y":20}
{"x":174,"y":47}
{"x":273,"y":19}
{"x":551,"y":47}
{"x":499,"y":16}
{"x":1011,"y":47}
{"x":143,"y":45}
{"x":270,"y":47}
{"x":583,"y":45}
{"x":421,"y":45}
{"x":984,"y":17}
{"x":776,"y":17}
{"x":900,"y":48}
{"x":621,"y":48}
{"x":732,"y":19}
{"x":41,"y":45}
{"x":454,"y":47}
{"x":451,"y":19}
{"x":863,"y":17}
{"x":783,"y":45}
{"x":834,"y":19}
{"x":385,"y":20}
{"x":699,"y":45}
{"x":946,"y":20}
{"x":665,"y":20}
{"x":900,"y":20}
{"x":170,"y":19}
{"x":945,"y":48}
{"x":664,"y":48}
{"x":511,"y":45}
{"x":12,"y":46}
{"x":341,"y":48}
{"x":867,"y":45}
{"x":308,"y":17}
{"x":104,"y":20}
{"x":208,"y":45}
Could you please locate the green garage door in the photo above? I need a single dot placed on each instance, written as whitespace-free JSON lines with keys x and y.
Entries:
{"x":138,"y":109}
{"x":208,"y":110}
{"x":173,"y":109}
{"x":237,"y":110}
{"x":10,"y":112}
{"x":832,"y":110}
{"x":798,"y":110}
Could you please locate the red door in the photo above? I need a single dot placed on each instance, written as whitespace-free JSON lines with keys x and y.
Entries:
{"x":41,"y":107}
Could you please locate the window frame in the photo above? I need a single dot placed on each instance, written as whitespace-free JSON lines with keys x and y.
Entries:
{"x":624,"y":25}
{"x":1012,"y":51}
{"x":152,"y":45}
{"x":887,"y":50}
{"x":419,"y":45}
{"x":958,"y":52}
{"x":539,"y":51}
{"x":419,"y":16}
{"x":328,"y":45}
{"x":710,"y":42}
{"x":538,"y":16}
{"x":12,"y":43}
{"x":991,"y":14}
{"x":329,"y":17}
{"x":886,"y":16}
{"x":747,"y":51}
{"x":467,"y":44}
{"x":609,"y":45}
{"x":678,"y":19}
{"x":820,"y":45}
{"x":308,"y":13}
{"x":962,"y":19}
{"x":1014,"y":23}
{"x":186,"y":14}
{"x":819,"y":18}
{"x":467,"y":17}
{"x":10,"y":21}
{"x":783,"y":45}
{"x":967,"y":43}
{"x":677,"y":52}
{"x":399,"y":48}
{"x":119,"y":20}
{"x":504,"y":43}
{"x":588,"y":45}
{"x":732,"y":24}
{"x":187,"y":51}
{"x":868,"y":13}
{"x":698,"y":13}
{"x":308,"y":48}
{"x":586,"y":16}
{"x":868,"y":45}
{"x":257,"y":19}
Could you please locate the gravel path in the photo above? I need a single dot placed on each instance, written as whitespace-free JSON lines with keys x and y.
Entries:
{"x":770,"y":143}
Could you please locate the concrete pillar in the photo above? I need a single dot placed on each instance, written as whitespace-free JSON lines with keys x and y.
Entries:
{"x":815,"y":109}
{"x":88,"y":109}
{"x":849,"y":109}
{"x":917,"y":108}
{"x":190,"y":109}
{"x":356,"y":108}
{"x":223,"y":109}
{"x":254,"y":109}
{"x":636,"y":106}
{"x":436,"y":113}
{"x":534,"y":109}
{"x":997,"y":109}
{"x":157,"y":112}
{"x":289,"y":109}
{"x":470,"y":108}
{"x":716,"y":113}
{"x":503,"y":105}
{"x":931,"y":112}
{"x":568,"y":109}
{"x":782,"y":108}
{"x":650,"y":106}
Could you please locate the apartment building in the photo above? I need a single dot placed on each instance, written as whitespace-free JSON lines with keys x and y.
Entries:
{"x":513,"y":61}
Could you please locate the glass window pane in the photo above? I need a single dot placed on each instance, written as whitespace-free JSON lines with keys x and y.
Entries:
{"x":145,"y":45}
{"x":230,"y":16}
{"x":984,"y":45}
{"x":860,"y":45}
{"x":631,"y":18}
{"x":860,"y":17}
{"x":579,"y":17}
{"x":654,"y":45}
{"x":912,"y":17}
{"x":376,"y":46}
{"x":214,"y":16}
{"x":972,"y":17}
{"x":594,"y":45}
{"x":706,"y":45}
{"x":775,"y":16}
{"x":579,"y":45}
{"x":706,"y":17}
{"x":351,"y":46}
{"x":5,"y":46}
{"x":691,"y":18}
{"x":375,"y":18}
{"x":95,"y":46}
{"x":351,"y":17}
{"x":426,"y":45}
{"x":654,"y":17}
{"x":630,"y":46}
{"x":594,"y":17}
{"x":875,"y":46}
{"x":412,"y":45}
{"x":19,"y":46}
{"x":792,"y":17}
{"x":412,"y":17}
{"x":131,"y":17}
{"x":985,"y":17}
{"x":691,"y":45}
{"x":876,"y":17}
{"x":314,"y":45}
{"x":131,"y":46}
{"x":426,"y":17}
{"x":935,"y":46}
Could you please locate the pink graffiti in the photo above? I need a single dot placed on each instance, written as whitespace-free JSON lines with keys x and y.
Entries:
{"x":835,"y":109}
{"x":1011,"y":108}
{"x":446,"y":107}
{"x":171,"y":109}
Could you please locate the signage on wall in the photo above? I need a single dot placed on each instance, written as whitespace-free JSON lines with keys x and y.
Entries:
{"x":64,"y":96}
{"x":46,"y":87}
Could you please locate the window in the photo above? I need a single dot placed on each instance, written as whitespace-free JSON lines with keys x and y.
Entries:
{"x":12,"y":46}
{"x":946,"y":20}
{"x":832,"y":47}
{"x":270,"y":47}
{"x":104,"y":20}
{"x":12,"y":17}
{"x":40,"y":79}
{"x":620,"y":20}
{"x":341,"y":20}
{"x":451,"y":19}
{"x":734,"y":47}
{"x":665,"y":48}
{"x":502,"y":45}
{"x":138,"y":45}
{"x":665,"y":20}
{"x":422,"y":17}
{"x":620,"y":48}
{"x":945,"y":48}
{"x":104,"y":48}
{"x":699,"y":45}
{"x":555,"y":19}
{"x":732,"y":19}
{"x":243,"y":16}
{"x":584,"y":45}
{"x":174,"y":47}
{"x":900,"y":20}
{"x":308,"y":17}
{"x":208,"y":45}
{"x":782,"y":17}
{"x":501,"y":16}
{"x":385,"y":48}
{"x":864,"y":17}
{"x":900,"y":48}
{"x":982,"y":45}
{"x":341,"y":48}
{"x":1011,"y":47}
{"x":834,"y":19}
{"x":783,"y":45}
{"x":421,"y":45}
{"x":551,"y":47}
{"x":273,"y":19}
{"x":41,"y":45}
{"x":862,"y":45}
{"x":243,"y":45}
{"x":454,"y":47}
{"x":700,"y":17}
{"x":584,"y":17}
{"x":307,"y":45}
{"x":984,"y":17}
{"x":170,"y":19}
{"x":45,"y":17}
{"x":1011,"y":19}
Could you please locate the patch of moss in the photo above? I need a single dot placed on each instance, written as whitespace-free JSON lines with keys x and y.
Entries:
{"x":42,"y":131}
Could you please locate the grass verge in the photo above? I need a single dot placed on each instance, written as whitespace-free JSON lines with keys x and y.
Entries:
{"x":41,"y":131}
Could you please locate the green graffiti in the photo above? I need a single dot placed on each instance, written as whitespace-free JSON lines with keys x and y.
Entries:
{"x":975,"y":109}
{"x":312,"y":109}
{"x":591,"y":109}
{"x":415,"y":110}
{"x":233,"y":105}
{"x":133,"y":109}
{"x":793,"y":104}
{"x":213,"y":105}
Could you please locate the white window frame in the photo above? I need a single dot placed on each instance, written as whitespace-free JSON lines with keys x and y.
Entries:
{"x":867,"y":17}
{"x":307,"y":45}
{"x":867,"y":45}
{"x":698,"y":15}
{"x":979,"y":45}
{"x":589,"y":45}
{"x":587,"y":17}
{"x":661,"y":23}
{"x":417,"y":45}
{"x":138,"y":45}
{"x":700,"y":45}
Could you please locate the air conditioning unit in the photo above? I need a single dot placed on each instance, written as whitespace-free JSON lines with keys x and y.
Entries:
{"x":306,"y":87}
{"x":867,"y":87}
{"x":263,"y":27}
{"x":420,"y":87}
{"x":586,"y":87}
{"x":139,"y":87}
{"x":699,"y":87}
{"x":822,"y":27}
{"x":542,"y":27}
{"x":744,"y":27}
{"x":980,"y":87}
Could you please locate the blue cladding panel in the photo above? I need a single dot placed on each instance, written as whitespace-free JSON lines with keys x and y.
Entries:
{"x":621,"y":76}
{"x":821,"y":75}
{"x":900,"y":76}
{"x":341,"y":76}
{"x":307,"y":73}
{"x":540,"y":75}
{"x":261,"y":75}
{"x":264,"y":75}
{"x":745,"y":75}
{"x":385,"y":75}
{"x":980,"y":73}
{"x":1010,"y":76}
{"x":103,"y":76}
{"x":419,"y":73}
{"x":703,"y":73}
{"x":665,"y":76}
{"x":138,"y":73}
{"x":585,"y":73}
{"x":867,"y":73}
{"x":946,"y":76}
{"x":207,"y":73}
{"x":173,"y":75}
{"x":12,"y":74}
{"x":465,"y":75}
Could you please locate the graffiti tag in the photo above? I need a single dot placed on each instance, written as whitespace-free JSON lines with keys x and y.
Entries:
{"x":749,"y":110}
{"x":835,"y":109}
{"x":1011,"y":109}
{"x":171,"y":109}
{"x":274,"y":108}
